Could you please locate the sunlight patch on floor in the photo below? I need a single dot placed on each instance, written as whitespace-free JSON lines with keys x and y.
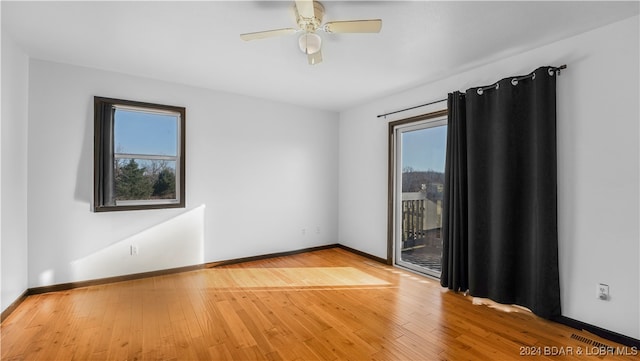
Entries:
{"x":499,"y":306}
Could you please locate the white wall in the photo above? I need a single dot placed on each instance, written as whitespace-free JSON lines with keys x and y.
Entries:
{"x":258,"y":173}
{"x":13,"y":170}
{"x":598,"y":166}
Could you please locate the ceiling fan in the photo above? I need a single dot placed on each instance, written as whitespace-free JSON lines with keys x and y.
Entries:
{"x":309,"y":14}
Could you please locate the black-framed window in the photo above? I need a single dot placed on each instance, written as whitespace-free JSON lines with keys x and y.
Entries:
{"x":139,"y":155}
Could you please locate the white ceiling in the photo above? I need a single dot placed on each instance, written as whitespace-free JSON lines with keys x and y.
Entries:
{"x":198,"y":43}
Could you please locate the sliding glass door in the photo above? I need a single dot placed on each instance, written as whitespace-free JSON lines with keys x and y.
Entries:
{"x":419,"y":189}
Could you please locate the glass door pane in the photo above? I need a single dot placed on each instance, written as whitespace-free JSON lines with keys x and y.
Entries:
{"x":420,"y":150}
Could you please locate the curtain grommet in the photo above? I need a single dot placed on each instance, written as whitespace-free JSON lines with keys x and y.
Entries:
{"x":480,"y":91}
{"x":551,"y":71}
{"x":533,"y":77}
{"x":514,"y":81}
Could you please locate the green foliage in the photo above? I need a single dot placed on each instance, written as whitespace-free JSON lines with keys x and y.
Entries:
{"x":165,"y":184}
{"x":132,"y":182}
{"x":135,"y":182}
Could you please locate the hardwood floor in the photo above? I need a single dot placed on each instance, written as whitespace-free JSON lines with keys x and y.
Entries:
{"x":329,"y":305}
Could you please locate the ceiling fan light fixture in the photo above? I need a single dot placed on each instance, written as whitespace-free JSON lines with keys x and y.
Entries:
{"x":310,"y":43}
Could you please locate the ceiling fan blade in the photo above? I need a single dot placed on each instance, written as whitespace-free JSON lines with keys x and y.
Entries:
{"x":315,"y":58}
{"x":354,"y":26}
{"x":266,"y":34}
{"x":305,"y":8}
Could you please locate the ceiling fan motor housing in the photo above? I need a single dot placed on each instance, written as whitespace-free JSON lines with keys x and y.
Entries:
{"x":311,"y":24}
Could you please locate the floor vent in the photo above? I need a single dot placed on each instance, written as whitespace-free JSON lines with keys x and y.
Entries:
{"x":589,"y":341}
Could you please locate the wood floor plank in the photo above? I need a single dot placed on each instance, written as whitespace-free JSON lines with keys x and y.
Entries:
{"x":240,"y":335}
{"x":324,"y":305}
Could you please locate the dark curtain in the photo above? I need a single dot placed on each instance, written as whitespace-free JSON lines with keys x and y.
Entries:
{"x":455,"y":274}
{"x":104,"y":120}
{"x":511,"y":193}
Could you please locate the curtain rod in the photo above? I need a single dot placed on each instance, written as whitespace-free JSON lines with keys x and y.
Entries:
{"x":556,"y":69}
{"x":417,"y":106}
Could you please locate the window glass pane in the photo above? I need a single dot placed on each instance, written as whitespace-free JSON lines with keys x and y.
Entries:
{"x":423,"y":160}
{"x":137,"y":132}
{"x":145,"y":179}
{"x":423,"y":153}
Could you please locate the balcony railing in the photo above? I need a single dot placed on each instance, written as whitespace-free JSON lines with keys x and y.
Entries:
{"x":421,"y":224}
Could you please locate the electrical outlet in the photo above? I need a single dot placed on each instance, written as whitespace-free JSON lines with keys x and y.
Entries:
{"x":134,"y":250}
{"x":603,"y":292}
